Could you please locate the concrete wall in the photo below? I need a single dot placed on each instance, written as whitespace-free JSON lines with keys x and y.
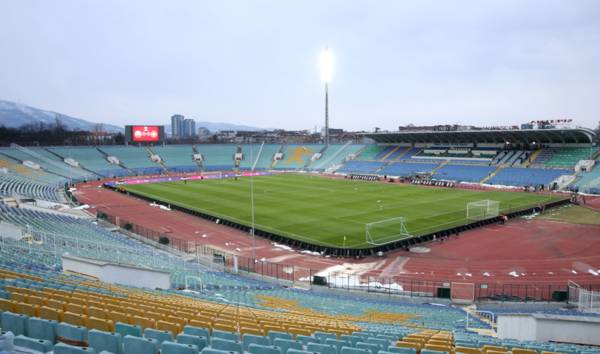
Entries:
{"x":115,"y":273}
{"x":521,"y":327}
{"x":544,"y":328}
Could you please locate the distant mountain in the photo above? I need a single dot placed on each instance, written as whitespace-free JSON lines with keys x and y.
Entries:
{"x":14,"y":115}
{"x":216,"y":127}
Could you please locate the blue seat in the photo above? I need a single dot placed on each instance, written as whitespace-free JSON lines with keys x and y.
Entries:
{"x":41,"y":345}
{"x":427,"y":351}
{"x":352,"y":339}
{"x":40,"y":328}
{"x":100,"y":341}
{"x":15,"y":323}
{"x":321,"y":348}
{"x":196,"y":331}
{"x":128,"y":330}
{"x":139,"y":345}
{"x":349,"y":350}
{"x":286,"y":344}
{"x":226,"y":345}
{"x":305,"y":340}
{"x":373,"y":348}
{"x":252,"y":338}
{"x":263,"y":349}
{"x":276,"y":334}
{"x":296,"y":351}
{"x":322,"y":336}
{"x":401,"y":350}
{"x":71,"y":332}
{"x":178,"y":348}
{"x":160,"y":336}
{"x":199,"y":342}
{"x":338,"y":344}
{"x":382,"y":343}
{"x":225,"y":335}
{"x":63,"y":348}
{"x":208,"y":350}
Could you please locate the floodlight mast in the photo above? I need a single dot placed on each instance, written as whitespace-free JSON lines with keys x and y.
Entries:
{"x":326,"y":63}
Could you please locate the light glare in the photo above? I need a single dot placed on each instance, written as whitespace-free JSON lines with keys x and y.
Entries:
{"x":326,"y":63}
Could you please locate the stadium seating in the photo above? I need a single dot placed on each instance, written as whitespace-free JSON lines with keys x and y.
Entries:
{"x":463,"y":173}
{"x":12,"y":185}
{"x":564,"y":157}
{"x":134,"y":158}
{"x":90,"y":158}
{"x":333,"y":155}
{"x":47,"y":161}
{"x":589,"y":182}
{"x":406,"y":168}
{"x":514,"y":176}
{"x":297,"y":156}
{"x":370,"y":152}
{"x":177,"y":158}
{"x":367,"y":167}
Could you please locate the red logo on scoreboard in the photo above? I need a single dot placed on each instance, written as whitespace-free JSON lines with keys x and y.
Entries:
{"x":145,"y":133}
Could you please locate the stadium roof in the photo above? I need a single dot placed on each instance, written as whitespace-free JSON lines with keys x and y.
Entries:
{"x":514,"y":136}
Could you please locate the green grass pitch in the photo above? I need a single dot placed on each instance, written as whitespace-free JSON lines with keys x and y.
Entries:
{"x":331,"y":212}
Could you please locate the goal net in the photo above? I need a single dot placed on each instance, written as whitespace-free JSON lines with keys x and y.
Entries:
{"x":385,"y":231}
{"x":483,"y":209}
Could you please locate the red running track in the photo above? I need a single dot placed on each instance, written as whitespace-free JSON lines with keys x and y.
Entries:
{"x":520,"y":252}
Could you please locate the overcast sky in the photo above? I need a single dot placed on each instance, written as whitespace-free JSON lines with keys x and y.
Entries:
{"x":256,"y":62}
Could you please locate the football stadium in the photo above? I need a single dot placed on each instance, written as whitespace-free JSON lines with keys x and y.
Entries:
{"x":158,"y":237}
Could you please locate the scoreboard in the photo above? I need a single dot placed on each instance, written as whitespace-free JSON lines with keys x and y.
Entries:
{"x":144,"y":133}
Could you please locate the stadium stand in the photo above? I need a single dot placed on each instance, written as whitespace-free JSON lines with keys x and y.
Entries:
{"x":296,"y":157}
{"x":406,"y":168}
{"x":463,"y":173}
{"x":133,"y":158}
{"x":91,"y":159}
{"x":367,"y":167}
{"x":589,"y":182}
{"x":177,"y":158}
{"x":563,"y":157}
{"x":513,"y":176}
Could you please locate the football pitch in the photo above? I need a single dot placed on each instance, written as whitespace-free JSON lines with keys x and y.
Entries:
{"x":332,"y":212}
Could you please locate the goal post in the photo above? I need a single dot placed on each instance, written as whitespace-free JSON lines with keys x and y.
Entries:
{"x":462,"y":293}
{"x":385,"y":231}
{"x":482,"y":209}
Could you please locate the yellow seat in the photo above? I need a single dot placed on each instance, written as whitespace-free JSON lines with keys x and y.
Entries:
{"x":494,"y":348}
{"x":113,"y":307}
{"x":7,"y":305}
{"x":97,"y":312}
{"x":119,"y":317}
{"x":143,"y":322}
{"x":200,"y":323}
{"x":224,"y":327}
{"x":405,"y":344}
{"x":100,"y":324}
{"x":75,"y":308}
{"x":440,"y":348}
{"x":74,"y":318}
{"x":468,"y":350}
{"x":174,"y":328}
{"x":18,"y":297}
{"x":50,"y":313}
{"x":299,"y":331}
{"x":27,"y":309}
{"x":523,"y":351}
{"x":251,"y":330}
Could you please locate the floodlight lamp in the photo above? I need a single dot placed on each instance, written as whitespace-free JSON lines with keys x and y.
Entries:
{"x":326,"y":64}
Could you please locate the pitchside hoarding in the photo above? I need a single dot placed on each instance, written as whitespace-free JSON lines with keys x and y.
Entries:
{"x":144,"y":133}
